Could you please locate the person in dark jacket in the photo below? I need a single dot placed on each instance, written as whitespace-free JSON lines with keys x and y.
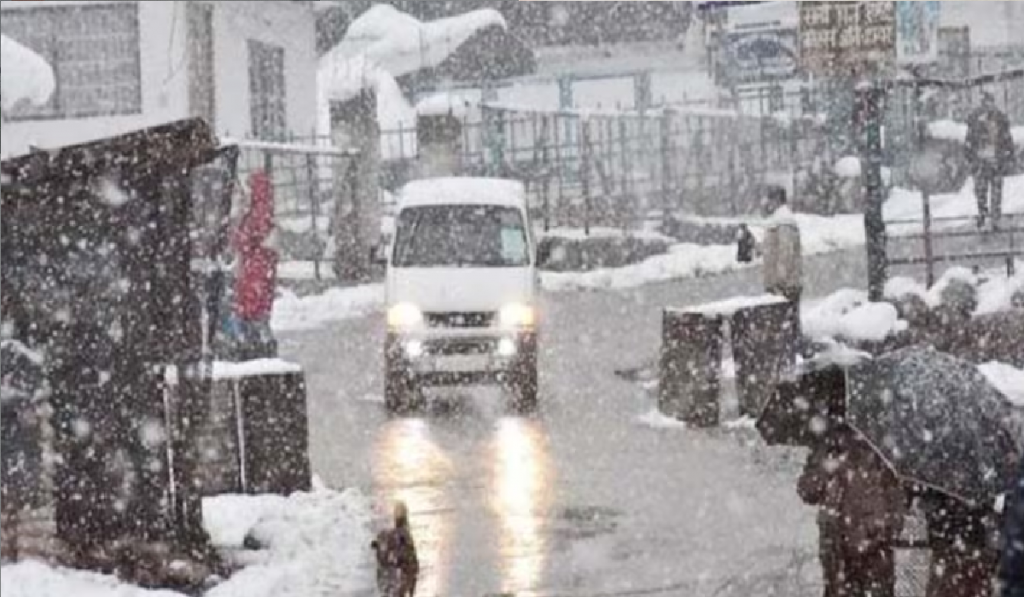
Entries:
{"x":1011,"y":572}
{"x":861,"y":510}
{"x":962,"y":562}
{"x":398,"y":566}
{"x":745,"y":244}
{"x":989,"y":149}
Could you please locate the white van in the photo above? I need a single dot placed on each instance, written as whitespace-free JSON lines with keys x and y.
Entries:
{"x":461,"y":290}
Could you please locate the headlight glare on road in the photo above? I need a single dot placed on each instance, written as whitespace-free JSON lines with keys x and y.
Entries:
{"x":404,"y":315}
{"x":517,"y":316}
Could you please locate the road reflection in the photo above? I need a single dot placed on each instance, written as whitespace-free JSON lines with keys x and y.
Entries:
{"x":412,"y":468}
{"x":521,"y":496}
{"x":500,"y":506}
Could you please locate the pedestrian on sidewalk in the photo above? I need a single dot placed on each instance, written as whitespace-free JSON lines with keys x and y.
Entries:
{"x":1011,"y":571}
{"x":398,"y":566}
{"x":256,"y":282}
{"x":962,"y":560}
{"x":861,"y":512}
{"x":745,"y":244}
{"x":989,"y":149}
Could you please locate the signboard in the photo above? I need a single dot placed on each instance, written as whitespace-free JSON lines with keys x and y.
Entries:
{"x":760,"y":56}
{"x":844,"y":36}
{"x":917,"y":32}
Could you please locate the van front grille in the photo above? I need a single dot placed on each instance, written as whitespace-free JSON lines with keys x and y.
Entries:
{"x":460,"y":320}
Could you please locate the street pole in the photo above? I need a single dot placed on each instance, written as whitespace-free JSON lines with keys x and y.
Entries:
{"x":870,"y":99}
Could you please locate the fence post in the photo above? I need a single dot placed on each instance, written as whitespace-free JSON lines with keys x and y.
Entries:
{"x":314,"y":202}
{"x":585,"y":173}
{"x":928,"y":249}
{"x":666,"y":165}
{"x":558,"y":161}
{"x":624,"y":185}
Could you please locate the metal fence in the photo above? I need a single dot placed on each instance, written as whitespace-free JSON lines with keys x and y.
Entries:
{"x":618,"y":169}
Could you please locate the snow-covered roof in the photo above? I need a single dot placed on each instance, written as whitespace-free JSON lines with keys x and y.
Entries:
{"x":26,"y":76}
{"x":462,"y":191}
{"x":385,"y":43}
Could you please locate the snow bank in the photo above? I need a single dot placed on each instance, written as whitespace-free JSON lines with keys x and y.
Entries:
{"x":996,"y":293}
{"x":848,"y":167}
{"x":26,"y":76}
{"x":730,"y":306}
{"x":226,"y":370}
{"x":292,"y":313}
{"x":578,"y":234}
{"x":848,"y":314}
{"x":656,"y":420}
{"x":315,"y":543}
{"x":1017,"y":133}
{"x":904,"y":204}
{"x":948,"y":130}
{"x":35,"y":579}
{"x":1007,"y":379}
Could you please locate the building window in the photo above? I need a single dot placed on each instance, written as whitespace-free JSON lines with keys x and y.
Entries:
{"x":94,"y":52}
{"x":267,"y":91}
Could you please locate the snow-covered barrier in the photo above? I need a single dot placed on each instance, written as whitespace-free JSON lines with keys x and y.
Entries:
{"x":255,"y":436}
{"x":764,"y":338}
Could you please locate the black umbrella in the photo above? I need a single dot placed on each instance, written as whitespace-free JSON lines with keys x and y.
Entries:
{"x":938,"y":422}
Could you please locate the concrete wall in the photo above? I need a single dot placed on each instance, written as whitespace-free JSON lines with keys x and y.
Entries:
{"x":164,"y":66}
{"x":289,"y":25}
{"x":164,"y":85}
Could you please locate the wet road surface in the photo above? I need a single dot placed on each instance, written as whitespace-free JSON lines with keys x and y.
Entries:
{"x":578,"y":499}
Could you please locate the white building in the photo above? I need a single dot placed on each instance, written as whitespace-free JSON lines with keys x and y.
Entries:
{"x":249,"y":68}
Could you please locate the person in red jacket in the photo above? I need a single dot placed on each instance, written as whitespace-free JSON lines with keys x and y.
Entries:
{"x":257,"y":271}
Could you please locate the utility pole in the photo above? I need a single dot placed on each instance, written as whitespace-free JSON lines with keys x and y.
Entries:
{"x":868,"y":112}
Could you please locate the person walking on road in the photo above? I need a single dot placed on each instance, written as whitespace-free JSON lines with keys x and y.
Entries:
{"x":962,"y":562}
{"x":1011,"y":571}
{"x":398,"y":566}
{"x":861,"y":512}
{"x":989,"y":149}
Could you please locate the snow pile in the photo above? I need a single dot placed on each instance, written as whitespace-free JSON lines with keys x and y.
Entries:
{"x":848,"y":314}
{"x":578,"y":234}
{"x":728,"y":307}
{"x":819,"y":234}
{"x":1007,"y":379}
{"x":655,"y":419}
{"x":26,"y":76}
{"x":314,"y":543}
{"x":948,"y":130}
{"x":904,"y":204}
{"x":35,"y":579}
{"x":1017,"y":133}
{"x":996,"y":293}
{"x":847,"y":167}
{"x":292,"y":313}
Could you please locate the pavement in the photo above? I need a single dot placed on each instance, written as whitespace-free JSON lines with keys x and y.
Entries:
{"x":580,"y":499}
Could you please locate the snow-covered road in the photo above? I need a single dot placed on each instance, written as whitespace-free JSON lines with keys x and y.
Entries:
{"x":582,"y":499}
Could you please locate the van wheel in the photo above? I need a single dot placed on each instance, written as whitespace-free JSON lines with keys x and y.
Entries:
{"x":525,"y":384}
{"x":399,"y":391}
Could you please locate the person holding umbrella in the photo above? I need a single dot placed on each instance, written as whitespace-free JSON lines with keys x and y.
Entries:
{"x":1011,"y":572}
{"x":861,"y":512}
{"x":962,"y":562}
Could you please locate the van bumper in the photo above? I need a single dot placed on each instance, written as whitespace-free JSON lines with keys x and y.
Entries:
{"x":459,"y":359}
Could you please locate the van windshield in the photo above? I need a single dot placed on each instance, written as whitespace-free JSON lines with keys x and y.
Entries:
{"x":460,"y":236}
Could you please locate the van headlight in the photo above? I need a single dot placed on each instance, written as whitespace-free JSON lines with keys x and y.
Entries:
{"x":517,"y":316}
{"x":404,"y":315}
